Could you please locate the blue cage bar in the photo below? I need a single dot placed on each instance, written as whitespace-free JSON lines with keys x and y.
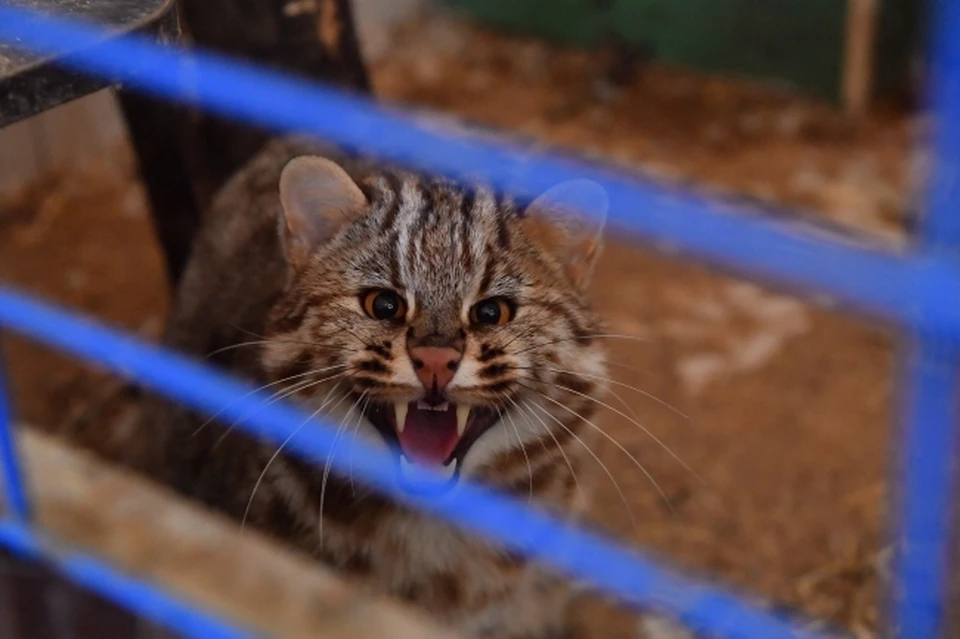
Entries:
{"x":916,"y":290}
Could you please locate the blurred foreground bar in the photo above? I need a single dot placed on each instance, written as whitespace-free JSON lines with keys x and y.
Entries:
{"x":201,"y":558}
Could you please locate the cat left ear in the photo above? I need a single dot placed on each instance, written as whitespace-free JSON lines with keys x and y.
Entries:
{"x":318,"y":198}
{"x":569,"y":220}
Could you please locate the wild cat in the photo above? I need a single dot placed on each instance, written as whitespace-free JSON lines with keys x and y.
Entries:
{"x":447,"y":324}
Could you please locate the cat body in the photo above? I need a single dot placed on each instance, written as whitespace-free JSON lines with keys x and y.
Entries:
{"x":378,"y":297}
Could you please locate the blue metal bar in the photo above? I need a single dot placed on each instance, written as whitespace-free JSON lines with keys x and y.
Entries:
{"x":881,"y":283}
{"x":133,"y":594}
{"x":930,"y":437}
{"x":625,"y":574}
{"x":15,"y":495}
{"x":941,"y":228}
{"x":929,"y":452}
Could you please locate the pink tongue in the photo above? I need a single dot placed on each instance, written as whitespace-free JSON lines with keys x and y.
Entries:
{"x":429,"y":436}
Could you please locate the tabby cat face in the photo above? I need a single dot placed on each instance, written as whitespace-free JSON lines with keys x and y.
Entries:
{"x":441,"y":322}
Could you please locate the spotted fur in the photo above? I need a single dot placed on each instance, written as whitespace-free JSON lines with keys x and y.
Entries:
{"x":443,"y":247}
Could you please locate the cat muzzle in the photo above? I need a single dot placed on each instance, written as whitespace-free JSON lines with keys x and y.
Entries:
{"x":431,"y":436}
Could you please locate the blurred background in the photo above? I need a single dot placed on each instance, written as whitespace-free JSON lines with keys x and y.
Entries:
{"x":783,"y":408}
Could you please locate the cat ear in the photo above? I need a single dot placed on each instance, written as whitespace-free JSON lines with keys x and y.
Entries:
{"x":318,"y":198}
{"x":569,"y":220}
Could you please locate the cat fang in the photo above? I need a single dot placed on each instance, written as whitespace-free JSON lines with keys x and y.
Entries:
{"x":430,"y":440}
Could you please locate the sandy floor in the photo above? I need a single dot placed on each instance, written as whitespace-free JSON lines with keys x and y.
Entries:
{"x":786,"y":409}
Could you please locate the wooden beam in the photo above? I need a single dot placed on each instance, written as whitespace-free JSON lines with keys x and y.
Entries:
{"x":203,"y":558}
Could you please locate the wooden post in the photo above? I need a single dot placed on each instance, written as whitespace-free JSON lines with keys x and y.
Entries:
{"x":859,"y":56}
{"x":203,"y":558}
{"x":186,"y":156}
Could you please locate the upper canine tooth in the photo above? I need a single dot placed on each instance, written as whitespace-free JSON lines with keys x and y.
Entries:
{"x":463,"y":414}
{"x":400,"y":410}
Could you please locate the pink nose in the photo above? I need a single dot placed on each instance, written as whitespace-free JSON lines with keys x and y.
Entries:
{"x":435,"y":366}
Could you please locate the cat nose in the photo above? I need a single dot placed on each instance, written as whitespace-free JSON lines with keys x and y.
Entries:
{"x":435,"y":366}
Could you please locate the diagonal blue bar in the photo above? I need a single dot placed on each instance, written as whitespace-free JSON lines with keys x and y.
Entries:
{"x":149,"y":602}
{"x":881,"y":283}
{"x":625,"y":574}
{"x":14,"y":492}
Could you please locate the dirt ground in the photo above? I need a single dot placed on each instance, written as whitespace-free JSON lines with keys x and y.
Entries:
{"x":783,"y":410}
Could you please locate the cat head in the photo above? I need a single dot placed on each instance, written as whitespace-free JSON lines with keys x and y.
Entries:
{"x":449,"y":324}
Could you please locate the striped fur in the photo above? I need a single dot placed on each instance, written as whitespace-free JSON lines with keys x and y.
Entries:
{"x":443,"y":247}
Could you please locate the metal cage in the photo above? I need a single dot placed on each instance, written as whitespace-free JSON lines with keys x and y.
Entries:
{"x":918,"y":290}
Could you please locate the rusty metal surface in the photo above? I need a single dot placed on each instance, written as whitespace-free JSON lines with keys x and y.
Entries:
{"x":30,"y":83}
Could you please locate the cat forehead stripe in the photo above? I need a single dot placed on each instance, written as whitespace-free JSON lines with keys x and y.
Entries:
{"x":437,"y":225}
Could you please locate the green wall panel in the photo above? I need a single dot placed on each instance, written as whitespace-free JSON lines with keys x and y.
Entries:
{"x":796,"y":41}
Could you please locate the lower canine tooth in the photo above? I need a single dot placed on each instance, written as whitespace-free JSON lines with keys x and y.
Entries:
{"x":463,"y":414}
{"x":408,"y":467}
{"x":448,"y":471}
{"x":413,"y":471}
{"x":400,"y":410}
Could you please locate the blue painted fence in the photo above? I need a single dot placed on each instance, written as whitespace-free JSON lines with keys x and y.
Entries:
{"x":918,"y":290}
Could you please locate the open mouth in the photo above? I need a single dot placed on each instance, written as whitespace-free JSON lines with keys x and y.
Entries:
{"x":429,"y":436}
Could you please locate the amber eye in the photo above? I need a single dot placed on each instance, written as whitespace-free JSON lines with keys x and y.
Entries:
{"x":384,"y":305}
{"x":495,"y":311}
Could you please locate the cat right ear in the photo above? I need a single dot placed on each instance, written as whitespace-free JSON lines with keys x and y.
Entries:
{"x":318,"y":198}
{"x":569,"y":219}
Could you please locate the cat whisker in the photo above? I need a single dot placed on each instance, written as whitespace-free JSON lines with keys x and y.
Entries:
{"x":535,"y":329}
{"x":613,"y":441}
{"x":606,"y":470}
{"x":628,"y":367}
{"x":256,"y":342}
{"x":276,"y":397}
{"x":623,"y":402}
{"x":638,"y":425}
{"x":347,"y":330}
{"x":615,"y":382}
{"x":527,"y":332}
{"x":285,"y":340}
{"x":616,"y":395}
{"x":523,"y":450}
{"x":528,"y":411}
{"x":269,"y":463}
{"x":525,"y":408}
{"x":329,"y":459}
{"x":582,"y":337}
{"x":356,"y":430}
{"x":262,"y":388}
{"x":247,"y":331}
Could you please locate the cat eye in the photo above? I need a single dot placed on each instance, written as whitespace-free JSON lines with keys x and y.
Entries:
{"x":384,"y":305}
{"x":495,"y":311}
